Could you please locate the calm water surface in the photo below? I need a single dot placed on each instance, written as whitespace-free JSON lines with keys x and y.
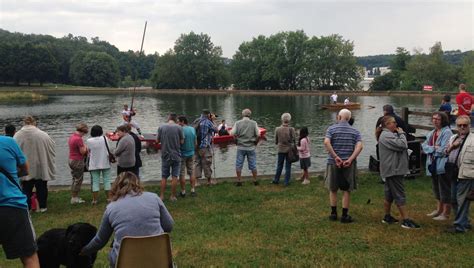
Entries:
{"x":59,"y":114}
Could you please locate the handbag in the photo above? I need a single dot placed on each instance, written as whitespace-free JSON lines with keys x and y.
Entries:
{"x":293,"y":155}
{"x":111,"y":156}
{"x":86,"y":163}
{"x":452,"y":169}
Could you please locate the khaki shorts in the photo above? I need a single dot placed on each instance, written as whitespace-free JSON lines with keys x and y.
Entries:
{"x":203,"y":162}
{"x":341,"y":178}
{"x":187,"y":164}
{"x":77,"y":173}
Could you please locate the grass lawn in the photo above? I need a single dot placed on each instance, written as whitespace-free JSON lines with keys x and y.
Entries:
{"x":271,"y":225}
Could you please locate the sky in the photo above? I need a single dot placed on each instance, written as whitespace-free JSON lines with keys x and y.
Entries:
{"x":375,"y":27}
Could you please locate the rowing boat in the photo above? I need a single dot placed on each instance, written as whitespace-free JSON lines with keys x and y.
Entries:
{"x":338,"y":106}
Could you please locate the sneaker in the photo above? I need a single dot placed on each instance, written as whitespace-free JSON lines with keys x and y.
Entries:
{"x":213,"y":182}
{"x":193,"y":194}
{"x":454,"y":230}
{"x":256,"y":183}
{"x":238,"y":184}
{"x":298,"y":179}
{"x":409,"y":224}
{"x":388,"y":219}
{"x":434,"y":213}
{"x":305,"y":182}
{"x":441,"y":217}
{"x":333,"y":217}
{"x":41,"y":210}
{"x":77,"y":200}
{"x":346,"y":219}
{"x":181,"y":194}
{"x":173,"y":199}
{"x":274,"y":182}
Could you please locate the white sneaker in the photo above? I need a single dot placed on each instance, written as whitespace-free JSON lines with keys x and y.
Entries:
{"x":41,"y":210}
{"x":77,"y":200}
{"x":440,"y":218}
{"x":305,"y":182}
{"x":434,"y":213}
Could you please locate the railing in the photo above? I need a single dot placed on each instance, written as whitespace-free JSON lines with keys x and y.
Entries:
{"x":406,"y":112}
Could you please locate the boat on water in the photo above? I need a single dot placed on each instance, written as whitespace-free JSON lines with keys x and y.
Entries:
{"x":150,"y":139}
{"x":338,"y":106}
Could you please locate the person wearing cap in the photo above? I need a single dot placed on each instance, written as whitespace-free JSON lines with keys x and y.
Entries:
{"x":77,"y":154}
{"x":205,"y":130}
{"x":39,"y":149}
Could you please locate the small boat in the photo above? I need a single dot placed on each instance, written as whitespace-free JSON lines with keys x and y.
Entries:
{"x":338,"y":106}
{"x":150,"y":139}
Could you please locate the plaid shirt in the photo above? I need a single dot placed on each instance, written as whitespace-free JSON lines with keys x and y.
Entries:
{"x":207,"y":131}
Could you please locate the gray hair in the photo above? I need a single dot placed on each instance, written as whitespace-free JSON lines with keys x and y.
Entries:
{"x":286,"y":117}
{"x":246,"y":112}
{"x":345,"y":114}
{"x":462,"y":118}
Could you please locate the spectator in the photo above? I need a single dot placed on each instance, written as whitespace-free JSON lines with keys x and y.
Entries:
{"x":388,"y":110}
{"x":304,"y":154}
{"x":138,"y":149}
{"x":77,"y":155}
{"x":393,"y":148}
{"x":343,"y":143}
{"x":464,"y":101}
{"x":16,"y":231}
{"x":446,"y":105}
{"x":171,"y":136}
{"x":246,"y":133}
{"x":99,"y":164}
{"x":187,"y":156}
{"x":39,"y":149}
{"x":285,"y":137}
{"x":125,"y":150}
{"x":435,"y":147}
{"x":205,"y":130}
{"x":10,"y":130}
{"x":132,"y":212}
{"x":462,"y":183}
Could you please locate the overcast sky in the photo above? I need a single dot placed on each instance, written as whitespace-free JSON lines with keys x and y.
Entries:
{"x":375,"y":27}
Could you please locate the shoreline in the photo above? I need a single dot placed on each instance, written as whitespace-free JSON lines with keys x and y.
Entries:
{"x":105,"y":91}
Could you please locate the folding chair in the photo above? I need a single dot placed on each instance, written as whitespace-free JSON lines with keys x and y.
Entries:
{"x":145,"y":252}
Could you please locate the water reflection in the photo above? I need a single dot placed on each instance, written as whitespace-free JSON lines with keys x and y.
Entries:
{"x":59,"y":114}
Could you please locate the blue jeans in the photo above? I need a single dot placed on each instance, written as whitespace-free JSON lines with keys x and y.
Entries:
{"x":283,"y":157}
{"x":462,"y":213}
{"x":251,"y":158}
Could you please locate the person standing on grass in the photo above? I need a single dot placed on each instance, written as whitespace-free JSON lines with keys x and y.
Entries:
{"x":205,"y":130}
{"x":343,"y":143}
{"x":464,"y":101}
{"x":99,"y":165}
{"x":77,"y":154}
{"x":171,"y":136}
{"x":285,"y":136}
{"x":138,"y":149}
{"x":393,"y":149}
{"x":187,"y":156}
{"x":435,"y":147}
{"x":17,"y":235}
{"x":246,"y":134}
{"x":125,"y":150}
{"x":304,"y":154}
{"x":40,"y":151}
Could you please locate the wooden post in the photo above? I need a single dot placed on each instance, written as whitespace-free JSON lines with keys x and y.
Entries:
{"x":404,"y":114}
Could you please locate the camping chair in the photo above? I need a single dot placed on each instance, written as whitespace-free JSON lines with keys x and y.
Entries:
{"x":145,"y":251}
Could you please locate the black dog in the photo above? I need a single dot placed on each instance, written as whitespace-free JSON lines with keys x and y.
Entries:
{"x":62,"y":246}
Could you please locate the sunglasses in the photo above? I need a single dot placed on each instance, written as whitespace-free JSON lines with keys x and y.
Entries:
{"x":462,"y":125}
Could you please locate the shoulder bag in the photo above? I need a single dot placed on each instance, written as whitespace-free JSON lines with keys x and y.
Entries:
{"x":293,"y":152}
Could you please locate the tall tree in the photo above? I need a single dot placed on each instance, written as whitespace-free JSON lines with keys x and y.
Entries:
{"x":97,"y":69}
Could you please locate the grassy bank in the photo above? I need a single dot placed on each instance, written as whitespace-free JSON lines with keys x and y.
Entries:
{"x":21,"y":96}
{"x":271,"y":226}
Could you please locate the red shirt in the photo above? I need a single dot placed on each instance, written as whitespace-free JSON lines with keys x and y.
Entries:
{"x":75,"y":143}
{"x":464,"y":100}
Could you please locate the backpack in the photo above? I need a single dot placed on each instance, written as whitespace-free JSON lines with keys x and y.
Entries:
{"x":197,"y":127}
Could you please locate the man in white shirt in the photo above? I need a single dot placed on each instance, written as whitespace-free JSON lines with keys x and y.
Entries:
{"x":334,"y":98}
{"x":127,"y":115}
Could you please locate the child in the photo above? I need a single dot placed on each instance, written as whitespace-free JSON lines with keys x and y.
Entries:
{"x":304,"y":153}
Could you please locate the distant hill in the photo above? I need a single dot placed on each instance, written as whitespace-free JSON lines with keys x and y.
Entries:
{"x":453,"y":57}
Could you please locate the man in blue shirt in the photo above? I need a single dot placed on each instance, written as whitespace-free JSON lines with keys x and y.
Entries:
{"x":343,"y":144}
{"x":187,"y":155}
{"x":203,"y":160}
{"x":16,"y":231}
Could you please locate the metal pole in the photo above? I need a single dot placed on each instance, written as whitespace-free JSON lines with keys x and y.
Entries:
{"x":135,"y":86}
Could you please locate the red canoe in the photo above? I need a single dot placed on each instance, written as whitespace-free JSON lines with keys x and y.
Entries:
{"x":150,"y":139}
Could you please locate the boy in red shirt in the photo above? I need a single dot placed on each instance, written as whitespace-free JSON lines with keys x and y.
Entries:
{"x":464,"y":101}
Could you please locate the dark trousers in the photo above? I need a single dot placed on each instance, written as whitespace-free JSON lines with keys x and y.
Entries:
{"x":120,"y":169}
{"x":283,"y":158}
{"x":41,"y":191}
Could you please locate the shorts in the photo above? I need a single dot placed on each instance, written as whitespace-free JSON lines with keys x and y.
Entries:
{"x":441,"y":185}
{"x":187,"y":164}
{"x":341,"y":178}
{"x":169,"y":167}
{"x":95,"y":179}
{"x":251,"y":159}
{"x":394,"y":190}
{"x":77,"y":173}
{"x":305,"y":163}
{"x":203,"y":162}
{"x":17,"y":235}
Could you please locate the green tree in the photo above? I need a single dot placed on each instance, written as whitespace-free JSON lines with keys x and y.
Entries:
{"x":97,"y":69}
{"x":399,"y":62}
{"x":467,"y":72}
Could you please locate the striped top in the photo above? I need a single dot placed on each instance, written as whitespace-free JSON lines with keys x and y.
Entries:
{"x":343,"y":138}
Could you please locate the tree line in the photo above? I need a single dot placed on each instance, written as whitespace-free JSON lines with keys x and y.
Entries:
{"x":283,"y":61}
{"x":412,"y":72}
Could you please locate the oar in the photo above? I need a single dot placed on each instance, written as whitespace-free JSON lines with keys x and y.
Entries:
{"x":135,"y":86}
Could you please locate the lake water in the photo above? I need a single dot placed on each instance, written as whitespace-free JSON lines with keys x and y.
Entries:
{"x":60,"y":113}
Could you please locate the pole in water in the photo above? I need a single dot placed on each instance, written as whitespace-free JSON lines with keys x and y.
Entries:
{"x":135,"y":86}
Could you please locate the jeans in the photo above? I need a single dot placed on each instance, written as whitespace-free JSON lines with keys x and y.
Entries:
{"x":41,"y":191}
{"x":251,"y":158}
{"x":462,"y":215}
{"x":283,"y":157}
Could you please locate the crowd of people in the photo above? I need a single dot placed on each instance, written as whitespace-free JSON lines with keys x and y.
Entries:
{"x":186,"y":149}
